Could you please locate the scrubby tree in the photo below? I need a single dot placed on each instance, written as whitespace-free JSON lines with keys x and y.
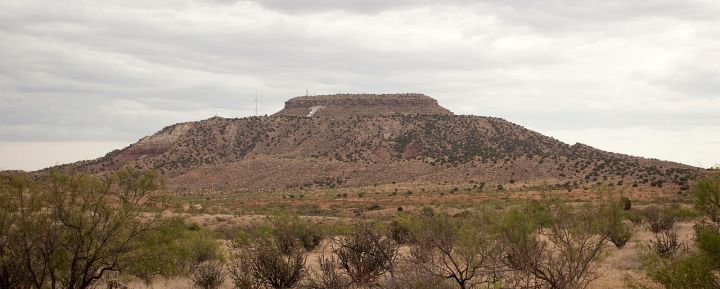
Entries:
{"x":359,"y":260}
{"x":707,"y":197}
{"x":276,"y":260}
{"x":614,"y":223}
{"x":69,"y":230}
{"x":462,"y":250}
{"x":561,"y":256}
{"x":291,"y":231}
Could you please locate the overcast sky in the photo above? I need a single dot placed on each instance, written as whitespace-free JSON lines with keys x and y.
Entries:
{"x":80,"y":78}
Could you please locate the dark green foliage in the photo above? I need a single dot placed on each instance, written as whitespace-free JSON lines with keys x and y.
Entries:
{"x":292,"y":231}
{"x":615,"y":227}
{"x":184,"y":246}
{"x":707,"y":238}
{"x":71,"y":229}
{"x":626,"y":203}
{"x":689,"y":272}
{"x":401,"y":228}
{"x":707,"y":196}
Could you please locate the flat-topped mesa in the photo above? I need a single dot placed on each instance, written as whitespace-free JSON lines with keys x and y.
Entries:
{"x":344,"y":105}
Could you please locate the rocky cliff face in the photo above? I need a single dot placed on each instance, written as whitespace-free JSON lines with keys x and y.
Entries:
{"x":343,"y":105}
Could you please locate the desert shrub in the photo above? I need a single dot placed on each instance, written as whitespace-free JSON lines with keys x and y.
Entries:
{"x":665,"y":244}
{"x":626,"y":203}
{"x":265,"y":265}
{"x":427,"y":211}
{"x":459,"y":249}
{"x":678,"y":212}
{"x":700,"y":269}
{"x":613,"y":222}
{"x":688,"y":272}
{"x":373,"y":207}
{"x":327,"y":276}
{"x":539,"y":212}
{"x":241,"y":271}
{"x":276,"y":268}
{"x":707,"y":238}
{"x":208,"y":275}
{"x":292,"y":231}
{"x":69,"y":230}
{"x":657,"y":221}
{"x":366,"y":254}
{"x":707,"y":197}
{"x":401,"y":228}
{"x":183,"y":245}
{"x":634,"y":217}
{"x":276,"y":257}
{"x":359,"y":260}
{"x":565,"y":256}
{"x":620,"y":234}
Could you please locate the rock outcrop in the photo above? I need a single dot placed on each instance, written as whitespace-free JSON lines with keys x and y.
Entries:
{"x":343,"y":105}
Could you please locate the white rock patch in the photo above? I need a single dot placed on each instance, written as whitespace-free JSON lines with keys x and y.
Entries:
{"x":315,"y":109}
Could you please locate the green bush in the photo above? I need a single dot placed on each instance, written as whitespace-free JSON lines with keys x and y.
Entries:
{"x":373,"y":207}
{"x":688,"y":272}
{"x":292,"y":231}
{"x":626,"y":203}
{"x":402,"y":228}
{"x":707,"y":238}
{"x":614,"y":225}
{"x":707,"y":196}
{"x":184,"y":246}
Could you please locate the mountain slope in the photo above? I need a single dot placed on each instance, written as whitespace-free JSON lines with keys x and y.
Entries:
{"x":414,"y":144}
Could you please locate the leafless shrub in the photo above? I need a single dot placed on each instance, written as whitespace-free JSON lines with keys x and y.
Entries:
{"x":241,"y":272}
{"x":208,"y":275}
{"x":666,"y":243}
{"x":366,"y":254}
{"x":328,"y":275}
{"x":276,"y":269}
{"x":359,"y":260}
{"x":657,"y":221}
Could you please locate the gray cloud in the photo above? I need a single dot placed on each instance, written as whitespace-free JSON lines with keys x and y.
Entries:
{"x":81,"y":70}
